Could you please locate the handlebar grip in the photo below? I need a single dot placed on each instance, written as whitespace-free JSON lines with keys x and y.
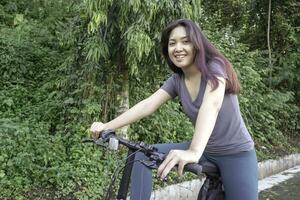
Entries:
{"x":106,"y":134}
{"x":194,"y":168}
{"x":209,"y":167}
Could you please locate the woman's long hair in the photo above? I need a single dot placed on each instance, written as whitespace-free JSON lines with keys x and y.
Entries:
{"x":205,"y":53}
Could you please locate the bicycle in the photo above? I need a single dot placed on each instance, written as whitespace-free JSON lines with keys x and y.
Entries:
{"x":212,"y":188}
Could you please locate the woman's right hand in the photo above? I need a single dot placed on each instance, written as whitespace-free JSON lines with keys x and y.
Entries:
{"x":96,"y":128}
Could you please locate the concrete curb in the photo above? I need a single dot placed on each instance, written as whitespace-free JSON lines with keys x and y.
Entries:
{"x":185,"y":190}
{"x":271,"y":167}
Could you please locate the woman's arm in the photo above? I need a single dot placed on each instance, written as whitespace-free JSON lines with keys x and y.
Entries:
{"x":140,"y":110}
{"x":137,"y":112}
{"x":207,"y":116}
{"x":206,"y":119}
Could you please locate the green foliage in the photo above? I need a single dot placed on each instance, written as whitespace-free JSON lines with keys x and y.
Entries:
{"x":32,"y":159}
{"x":63,"y":64}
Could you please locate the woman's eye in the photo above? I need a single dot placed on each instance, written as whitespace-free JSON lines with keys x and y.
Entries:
{"x":171,"y":43}
{"x":186,"y":42}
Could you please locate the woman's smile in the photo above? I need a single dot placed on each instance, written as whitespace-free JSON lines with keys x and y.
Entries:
{"x":179,"y":56}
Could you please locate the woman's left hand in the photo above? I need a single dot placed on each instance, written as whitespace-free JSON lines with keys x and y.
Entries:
{"x":177,"y":157}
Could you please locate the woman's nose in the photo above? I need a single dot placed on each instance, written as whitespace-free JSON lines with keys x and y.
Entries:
{"x":178,"y":47}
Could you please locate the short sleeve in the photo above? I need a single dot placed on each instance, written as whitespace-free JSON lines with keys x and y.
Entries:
{"x":217,"y":67}
{"x":170,"y":85}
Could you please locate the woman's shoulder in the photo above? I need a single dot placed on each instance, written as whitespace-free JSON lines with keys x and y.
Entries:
{"x":173,"y":79}
{"x":217,"y":66}
{"x":176,"y":76}
{"x":216,"y":62}
{"x":172,"y":84}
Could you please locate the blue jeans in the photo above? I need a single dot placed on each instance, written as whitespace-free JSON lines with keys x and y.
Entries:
{"x":238,"y":172}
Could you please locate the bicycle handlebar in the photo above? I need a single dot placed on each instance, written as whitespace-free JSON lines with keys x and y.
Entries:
{"x":151,"y":152}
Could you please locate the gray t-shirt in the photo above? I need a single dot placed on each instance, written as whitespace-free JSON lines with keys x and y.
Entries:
{"x":230,"y":134}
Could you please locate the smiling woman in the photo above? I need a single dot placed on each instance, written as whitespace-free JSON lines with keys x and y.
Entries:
{"x":207,"y":86}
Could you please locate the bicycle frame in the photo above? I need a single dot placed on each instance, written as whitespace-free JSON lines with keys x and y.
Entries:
{"x":212,"y":183}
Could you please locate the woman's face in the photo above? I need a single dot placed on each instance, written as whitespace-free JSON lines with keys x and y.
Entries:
{"x":180,"y":49}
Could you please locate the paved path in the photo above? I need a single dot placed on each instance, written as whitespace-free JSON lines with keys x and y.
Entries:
{"x":286,"y":185}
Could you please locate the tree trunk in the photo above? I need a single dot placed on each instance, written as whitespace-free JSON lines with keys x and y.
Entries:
{"x":269,"y":45}
{"x":123,"y":96}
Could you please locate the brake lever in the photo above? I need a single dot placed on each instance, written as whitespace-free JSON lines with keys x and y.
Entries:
{"x":155,"y":159}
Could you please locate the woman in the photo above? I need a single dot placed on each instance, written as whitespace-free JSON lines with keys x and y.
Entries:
{"x":207,"y":87}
